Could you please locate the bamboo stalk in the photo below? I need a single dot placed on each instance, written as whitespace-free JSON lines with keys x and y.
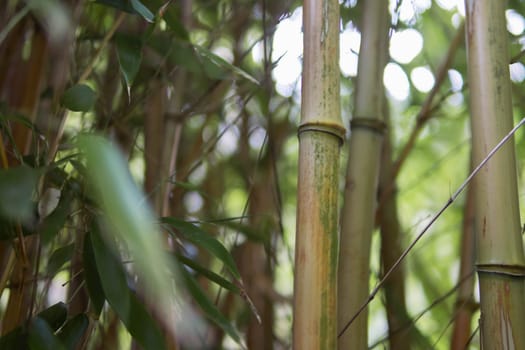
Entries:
{"x":500,"y":257}
{"x":320,"y":136}
{"x":400,"y":330}
{"x":362,"y":176}
{"x":465,"y":306}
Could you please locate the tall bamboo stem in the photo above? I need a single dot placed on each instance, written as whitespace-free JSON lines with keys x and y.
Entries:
{"x":362,"y":176}
{"x":500,"y":258}
{"x":320,"y":136}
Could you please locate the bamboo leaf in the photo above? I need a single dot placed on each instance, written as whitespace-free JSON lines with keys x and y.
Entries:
{"x":71,"y":333}
{"x":130,"y":220}
{"x":212,"y":276}
{"x":201,"y":238}
{"x":221,"y":63}
{"x":54,"y":222}
{"x":130,"y":311}
{"x":58,"y":258}
{"x":112,"y":277}
{"x":17,"y":186}
{"x":172,"y":16}
{"x":210,"y":310}
{"x":79,"y":98}
{"x":128,"y":215}
{"x":55,"y":315}
{"x":53,"y":318}
{"x":177,"y":51}
{"x":122,"y":5}
{"x":142,"y":10}
{"x":94,"y":286}
{"x":129,"y":51}
{"x":41,"y":336}
{"x":14,"y":340}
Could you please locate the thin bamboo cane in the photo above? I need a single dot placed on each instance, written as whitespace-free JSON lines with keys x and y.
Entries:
{"x":465,"y":305}
{"x":400,"y":330}
{"x":362,"y":176}
{"x":500,"y":257}
{"x":320,"y":136}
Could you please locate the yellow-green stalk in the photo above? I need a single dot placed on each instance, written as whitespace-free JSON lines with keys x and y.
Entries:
{"x":321,"y":133}
{"x":360,"y":201}
{"x":500,"y":259}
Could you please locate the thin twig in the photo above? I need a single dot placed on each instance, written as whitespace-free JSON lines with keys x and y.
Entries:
{"x":431,"y":222}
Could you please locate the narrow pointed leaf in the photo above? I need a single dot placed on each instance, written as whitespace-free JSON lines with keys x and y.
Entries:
{"x":58,"y":258}
{"x":130,"y":220}
{"x":212,"y":276}
{"x":209,"y":309}
{"x":129,"y":51}
{"x":203,"y":239}
{"x":143,"y":10}
{"x":54,"y":222}
{"x":122,"y":5}
{"x":41,"y":336}
{"x":220,"y":62}
{"x":94,"y":286}
{"x":130,"y":311}
{"x":71,"y":334}
{"x":112,"y":277}
{"x":55,"y":315}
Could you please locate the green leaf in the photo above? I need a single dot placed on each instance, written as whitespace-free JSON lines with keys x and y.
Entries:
{"x":54,"y":222}
{"x":94,"y":286}
{"x":55,"y":315}
{"x":129,"y":51}
{"x":79,"y":98}
{"x":17,"y":186}
{"x":41,"y":336}
{"x":130,"y":311}
{"x":58,"y":258}
{"x":133,"y":6}
{"x":212,"y":276}
{"x":143,"y":10}
{"x":71,"y":334}
{"x":14,"y":340}
{"x":250,"y":232}
{"x":118,"y":4}
{"x":47,"y":322}
{"x":179,"y":52}
{"x":221,"y":63}
{"x":172,"y":17}
{"x":210,"y":310}
{"x":112,"y":276}
{"x":201,"y":238}
{"x":130,"y":220}
{"x":142,"y":326}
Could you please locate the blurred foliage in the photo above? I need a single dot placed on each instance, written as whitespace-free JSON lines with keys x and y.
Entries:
{"x":99,"y":243}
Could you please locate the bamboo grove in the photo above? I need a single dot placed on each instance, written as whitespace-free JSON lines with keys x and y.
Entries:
{"x":262,"y":174}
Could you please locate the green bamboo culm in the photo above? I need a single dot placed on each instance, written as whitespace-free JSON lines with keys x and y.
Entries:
{"x":500,"y":257}
{"x":360,"y":198}
{"x":321,"y":133}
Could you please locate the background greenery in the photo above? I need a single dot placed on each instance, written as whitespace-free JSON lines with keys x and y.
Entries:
{"x":200,"y":86}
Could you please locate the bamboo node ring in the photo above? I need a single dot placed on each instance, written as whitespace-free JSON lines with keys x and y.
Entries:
{"x":500,"y":269}
{"x":373,"y":124}
{"x":334,"y":129}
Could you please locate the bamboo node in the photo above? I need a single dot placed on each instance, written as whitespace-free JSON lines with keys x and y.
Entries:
{"x":501,"y":269}
{"x":334,"y":129}
{"x":373,"y":124}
